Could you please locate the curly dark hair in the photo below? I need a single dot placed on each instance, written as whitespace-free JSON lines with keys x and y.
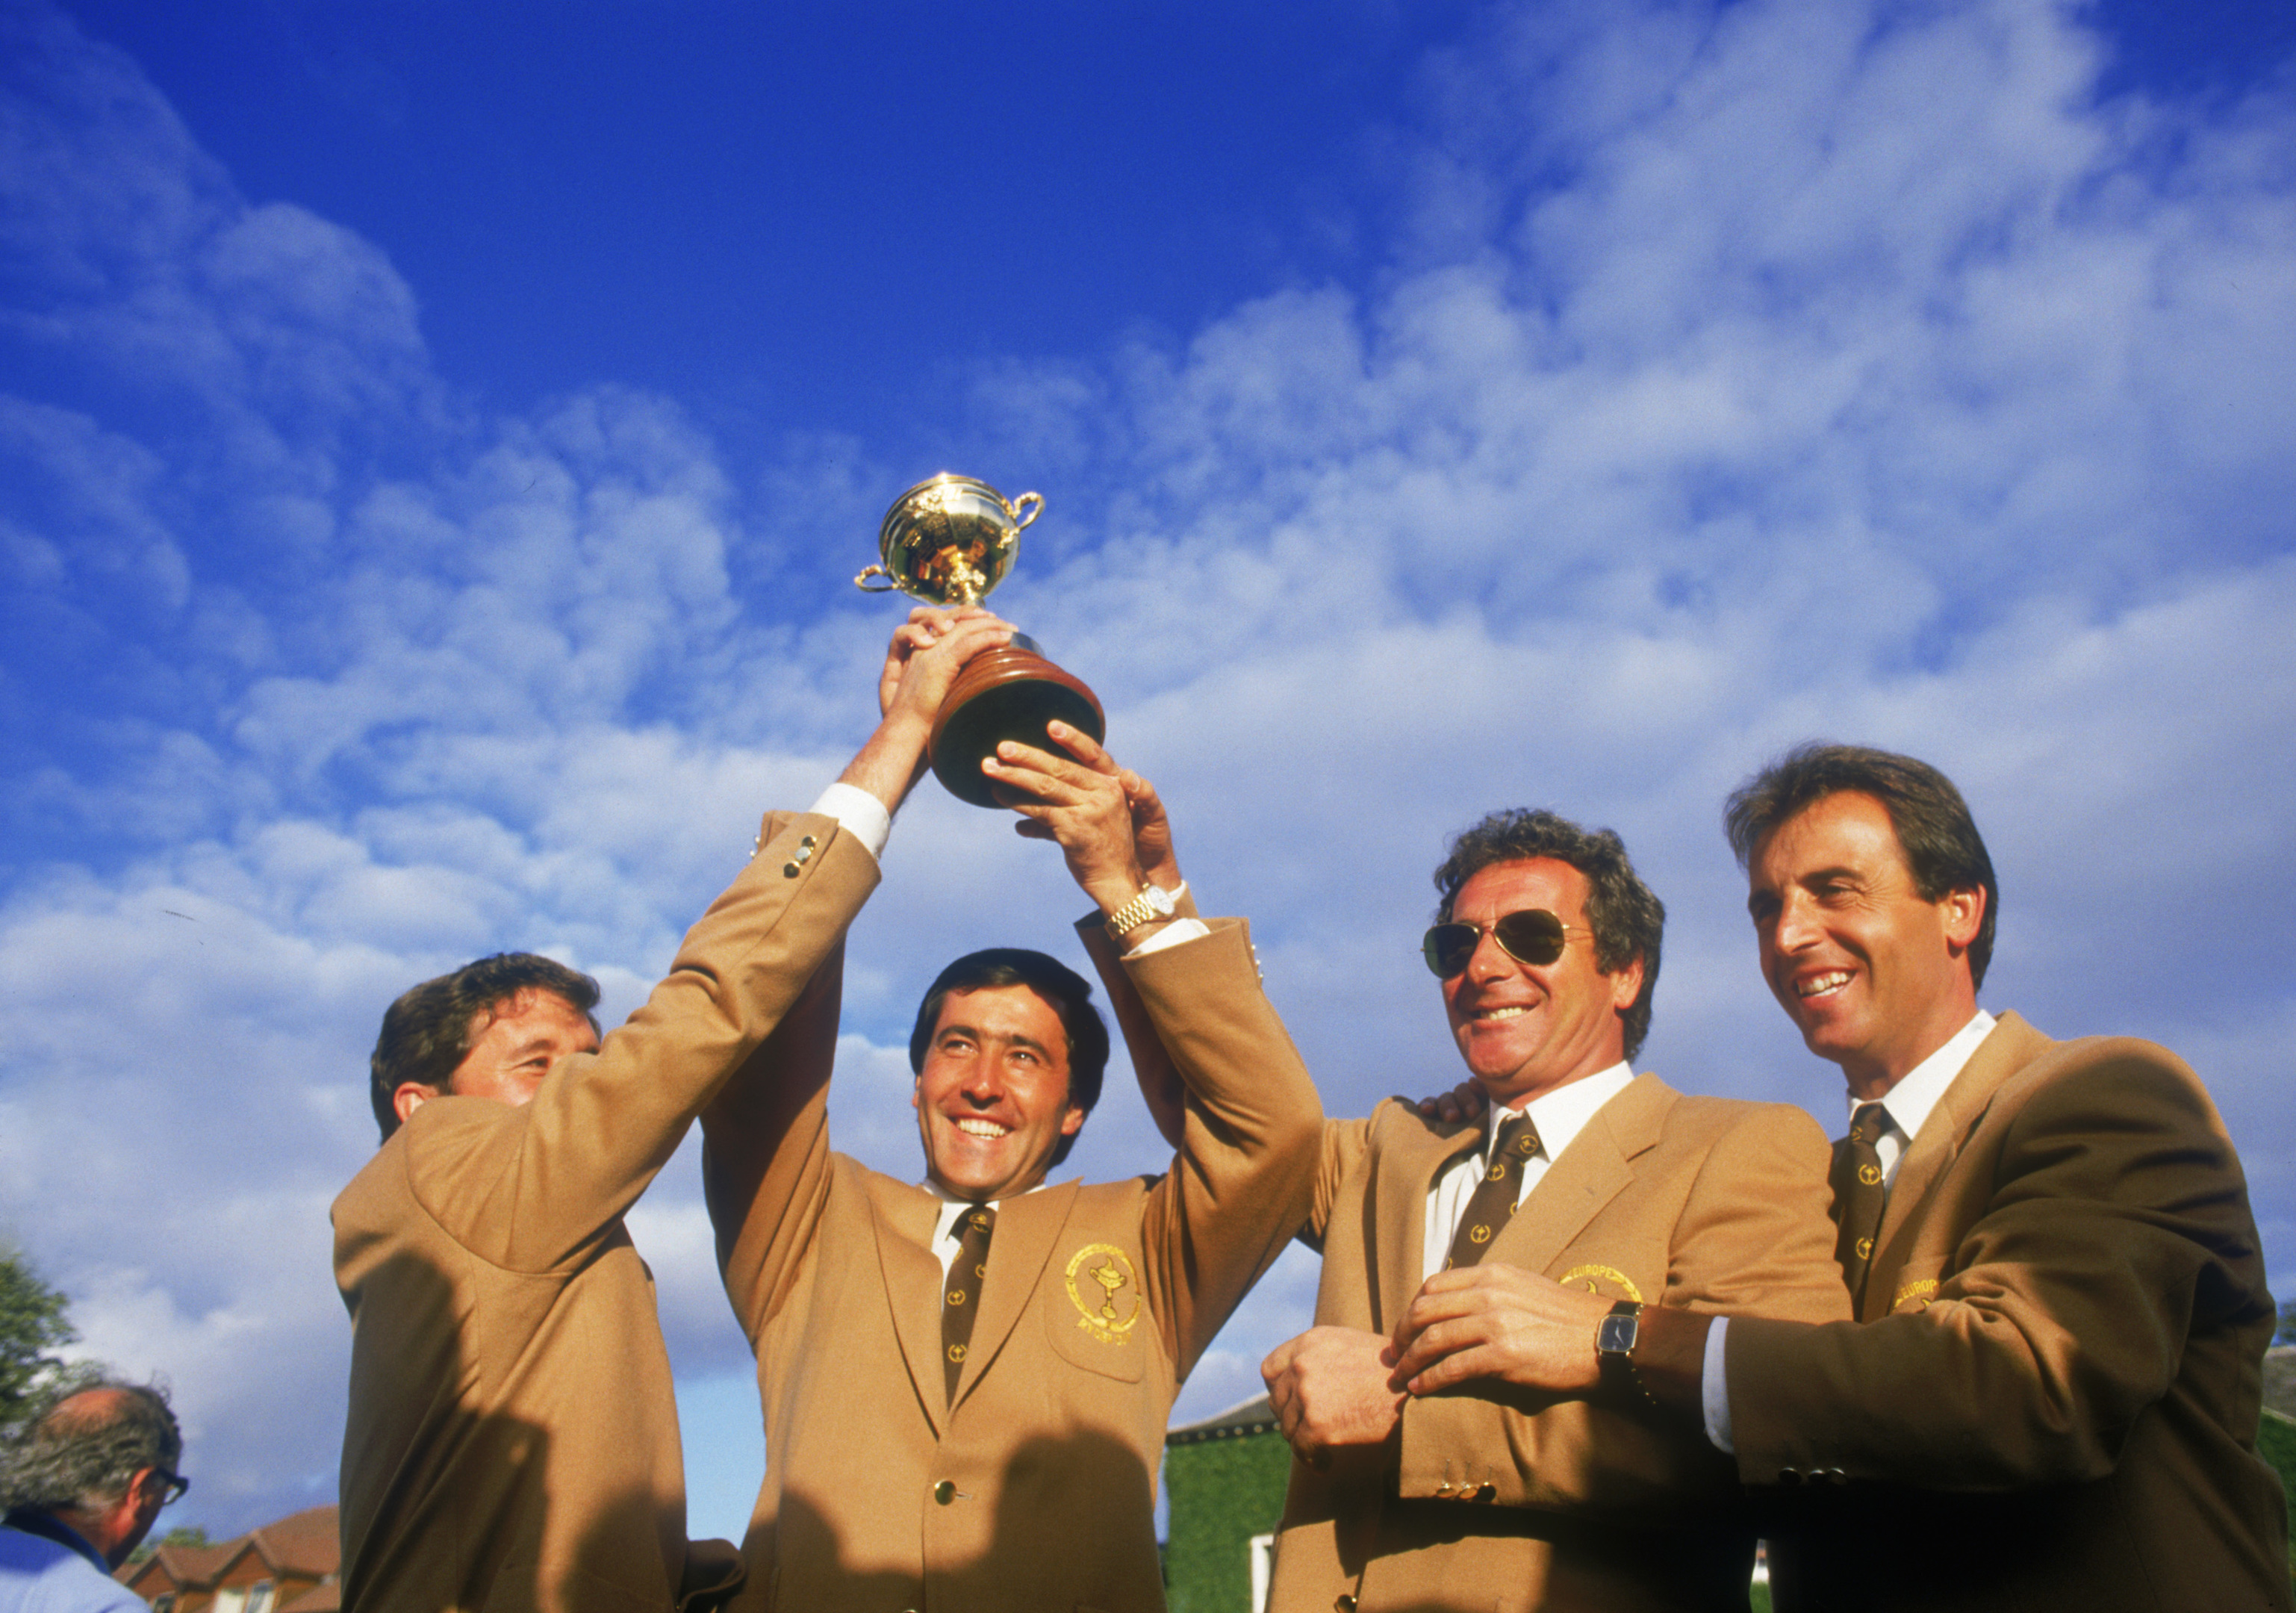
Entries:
{"x":1627,"y":920}
{"x":1943,"y":849}
{"x":86,"y":1446}
{"x":427,"y":1032}
{"x":1067,"y":993}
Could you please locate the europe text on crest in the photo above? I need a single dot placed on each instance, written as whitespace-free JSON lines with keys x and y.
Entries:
{"x":1601,"y":1280}
{"x":1112,"y":1306}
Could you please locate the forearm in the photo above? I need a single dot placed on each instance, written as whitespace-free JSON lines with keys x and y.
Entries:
{"x":889,"y":765}
{"x":2115,"y":1238}
{"x":603,"y":1123}
{"x":1244,"y":1179}
{"x":765,"y":1150}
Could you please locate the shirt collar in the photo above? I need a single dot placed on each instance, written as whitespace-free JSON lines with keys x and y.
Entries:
{"x":30,"y":1521}
{"x":952,"y":1206}
{"x":1561,"y":1115}
{"x":1910,"y":1101}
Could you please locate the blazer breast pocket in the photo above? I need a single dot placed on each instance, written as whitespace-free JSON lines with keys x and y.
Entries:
{"x":1096,"y":1315}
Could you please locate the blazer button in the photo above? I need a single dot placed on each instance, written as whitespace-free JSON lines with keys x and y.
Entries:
{"x":1343,"y":1603}
{"x":945,"y":1492}
{"x":789,"y":870}
{"x":1487,"y":1492}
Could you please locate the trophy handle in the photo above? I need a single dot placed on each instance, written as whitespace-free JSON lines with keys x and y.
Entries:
{"x":885,"y":587}
{"x":1034,"y":504}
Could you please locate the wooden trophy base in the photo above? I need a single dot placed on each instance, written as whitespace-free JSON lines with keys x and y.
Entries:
{"x":1006,"y":693}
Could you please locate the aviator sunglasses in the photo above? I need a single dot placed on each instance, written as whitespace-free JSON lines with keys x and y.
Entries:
{"x":1534,"y":936}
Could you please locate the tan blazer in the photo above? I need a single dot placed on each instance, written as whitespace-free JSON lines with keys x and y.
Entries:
{"x":2064,"y":1323}
{"x":1036,"y":1490}
{"x":512,"y":1440}
{"x":1496,"y":1500}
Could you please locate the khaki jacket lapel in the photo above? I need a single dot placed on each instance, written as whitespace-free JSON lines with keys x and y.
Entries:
{"x":2011,"y":1045}
{"x":1593,"y":1171}
{"x":1028,"y":1226}
{"x":904,"y":1217}
{"x":1408,"y":1171}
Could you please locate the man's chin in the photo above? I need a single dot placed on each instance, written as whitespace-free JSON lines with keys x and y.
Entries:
{"x":980,"y":1185}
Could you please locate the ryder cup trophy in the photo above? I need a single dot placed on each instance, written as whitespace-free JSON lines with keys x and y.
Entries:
{"x":948,"y":541}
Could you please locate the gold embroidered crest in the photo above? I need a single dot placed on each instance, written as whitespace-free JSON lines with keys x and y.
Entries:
{"x":1921,"y":1290}
{"x":1592,"y":1277}
{"x":1110,"y":1276}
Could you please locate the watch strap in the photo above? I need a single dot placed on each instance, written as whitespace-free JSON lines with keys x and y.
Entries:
{"x":1615,"y":1337}
{"x":1151,"y":903}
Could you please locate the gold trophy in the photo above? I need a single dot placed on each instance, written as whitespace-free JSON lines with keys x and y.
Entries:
{"x":948,"y":541}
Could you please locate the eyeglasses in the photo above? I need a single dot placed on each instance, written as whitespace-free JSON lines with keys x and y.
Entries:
{"x":1534,"y":936}
{"x":177,"y":1485}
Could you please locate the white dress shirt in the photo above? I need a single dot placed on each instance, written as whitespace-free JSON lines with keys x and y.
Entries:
{"x":1909,"y":1105}
{"x":1557,"y":1117}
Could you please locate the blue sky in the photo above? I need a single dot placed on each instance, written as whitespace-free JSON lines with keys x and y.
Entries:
{"x":435,"y":443}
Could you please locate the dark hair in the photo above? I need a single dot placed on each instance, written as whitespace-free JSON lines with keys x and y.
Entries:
{"x":1067,"y":992}
{"x":1627,"y":920}
{"x":86,"y":1446}
{"x":1942,"y":848}
{"x":427,"y":1032}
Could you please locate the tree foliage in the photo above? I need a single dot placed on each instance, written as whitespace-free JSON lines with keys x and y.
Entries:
{"x":33,"y":1325}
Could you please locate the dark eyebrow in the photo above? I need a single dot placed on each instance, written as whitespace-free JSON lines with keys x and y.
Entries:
{"x":1839,"y":871}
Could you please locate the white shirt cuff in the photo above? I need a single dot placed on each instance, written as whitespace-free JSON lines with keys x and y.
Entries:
{"x":859,"y":814}
{"x":1714,"y":1389}
{"x":1171,"y":935}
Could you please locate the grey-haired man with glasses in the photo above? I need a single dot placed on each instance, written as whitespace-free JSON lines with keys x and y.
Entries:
{"x":1547,"y":951}
{"x":82,"y":1485}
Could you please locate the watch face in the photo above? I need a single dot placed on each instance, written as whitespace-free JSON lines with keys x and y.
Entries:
{"x":1617,"y":1334}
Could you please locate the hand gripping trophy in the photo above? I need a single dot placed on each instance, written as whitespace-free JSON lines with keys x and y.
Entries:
{"x":948,"y":541}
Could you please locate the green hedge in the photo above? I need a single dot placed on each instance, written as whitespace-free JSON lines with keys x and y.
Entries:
{"x":1223,"y":1492}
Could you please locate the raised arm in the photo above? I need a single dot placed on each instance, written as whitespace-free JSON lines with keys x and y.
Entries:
{"x":1249,"y":1130}
{"x":537,"y":1190}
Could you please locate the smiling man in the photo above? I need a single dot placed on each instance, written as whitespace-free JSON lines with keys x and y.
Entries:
{"x":1547,"y":951}
{"x":965,"y":1379}
{"x":2050,"y":1398}
{"x":512,"y":1440}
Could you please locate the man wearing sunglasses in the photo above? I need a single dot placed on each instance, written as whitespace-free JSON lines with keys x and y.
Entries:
{"x":82,"y":1486}
{"x":1547,"y":955}
{"x":2049,"y":1398}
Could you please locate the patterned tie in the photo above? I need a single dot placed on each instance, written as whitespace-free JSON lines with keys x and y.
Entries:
{"x":1859,"y":1196}
{"x":965,"y":1274}
{"x":1495,"y":1196}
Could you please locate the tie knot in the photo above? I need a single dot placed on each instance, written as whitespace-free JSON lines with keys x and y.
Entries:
{"x":1867,"y":1124}
{"x":1517,"y":1140}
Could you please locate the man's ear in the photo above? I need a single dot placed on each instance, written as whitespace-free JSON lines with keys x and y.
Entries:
{"x":1965,"y":915}
{"x":1625,"y":986}
{"x":149,"y":1491}
{"x":411,"y":1096}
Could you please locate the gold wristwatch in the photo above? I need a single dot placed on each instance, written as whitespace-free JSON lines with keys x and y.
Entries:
{"x":1152,"y":904}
